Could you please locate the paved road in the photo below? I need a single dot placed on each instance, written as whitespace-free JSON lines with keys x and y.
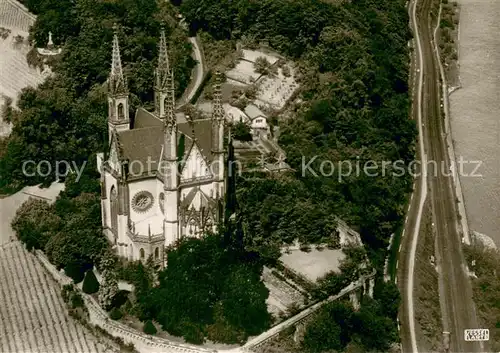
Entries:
{"x":196,"y":75}
{"x":458,"y":312}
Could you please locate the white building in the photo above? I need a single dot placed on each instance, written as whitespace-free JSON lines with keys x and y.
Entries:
{"x":235,"y":115}
{"x":258,"y":119}
{"x":164,"y":176}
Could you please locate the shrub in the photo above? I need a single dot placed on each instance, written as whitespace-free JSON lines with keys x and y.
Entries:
{"x":115,"y":314}
{"x":261,"y":65}
{"x":66,"y":291}
{"x":75,"y":272}
{"x":285,"y":70}
{"x":120,"y":298}
{"x":193,"y":333}
{"x":305,"y":248}
{"x":242,"y":132}
{"x":149,"y":328}
{"x":76,"y":300}
{"x":90,"y":284}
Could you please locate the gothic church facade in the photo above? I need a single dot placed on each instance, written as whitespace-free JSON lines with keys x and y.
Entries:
{"x":163,"y":178}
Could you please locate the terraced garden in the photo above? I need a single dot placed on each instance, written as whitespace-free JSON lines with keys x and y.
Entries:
{"x":33,"y":316}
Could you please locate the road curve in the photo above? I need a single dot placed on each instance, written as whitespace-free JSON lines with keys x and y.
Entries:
{"x":197,"y":74}
{"x":412,"y":223}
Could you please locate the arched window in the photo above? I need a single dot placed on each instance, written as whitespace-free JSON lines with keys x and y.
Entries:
{"x":141,"y":253}
{"x":114,"y":210}
{"x":157,"y":253}
{"x":121,"y":114}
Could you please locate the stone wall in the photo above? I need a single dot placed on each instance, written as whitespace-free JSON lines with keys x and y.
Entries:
{"x":98,"y":317}
{"x":150,"y":344}
{"x":305,"y":315}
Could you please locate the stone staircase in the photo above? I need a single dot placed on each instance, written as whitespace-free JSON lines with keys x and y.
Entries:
{"x":281,"y":293}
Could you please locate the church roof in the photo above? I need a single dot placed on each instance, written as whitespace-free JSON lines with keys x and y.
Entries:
{"x":253,"y":112}
{"x":140,"y":144}
{"x":206,"y":201}
{"x":145,"y":140}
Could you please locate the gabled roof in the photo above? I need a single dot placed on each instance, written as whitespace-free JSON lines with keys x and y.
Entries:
{"x":206,"y":201}
{"x":145,"y":141}
{"x":203,"y":135}
{"x":143,"y":119}
{"x":253,"y":112}
{"x":141,"y":145}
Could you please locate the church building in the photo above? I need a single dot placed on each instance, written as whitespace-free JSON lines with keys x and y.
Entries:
{"x":164,"y":176}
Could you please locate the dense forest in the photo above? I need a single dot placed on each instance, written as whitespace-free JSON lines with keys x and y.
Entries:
{"x":353,"y":61}
{"x":65,"y":118}
{"x":353,"y":71}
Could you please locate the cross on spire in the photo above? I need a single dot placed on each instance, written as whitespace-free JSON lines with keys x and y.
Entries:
{"x":117,"y":83}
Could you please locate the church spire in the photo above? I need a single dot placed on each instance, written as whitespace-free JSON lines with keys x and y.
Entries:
{"x":164,"y":79}
{"x":118,"y":104}
{"x":217,"y":117}
{"x":163,"y":68}
{"x":218,"y":110}
{"x":170,"y":122}
{"x":117,"y":83}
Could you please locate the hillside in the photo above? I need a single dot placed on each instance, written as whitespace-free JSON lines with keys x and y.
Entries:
{"x":15,"y":74}
{"x":32,"y":312}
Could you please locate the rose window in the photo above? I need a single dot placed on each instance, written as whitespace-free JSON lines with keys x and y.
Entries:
{"x":142,"y":201}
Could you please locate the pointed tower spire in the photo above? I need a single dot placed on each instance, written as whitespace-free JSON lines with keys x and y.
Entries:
{"x":218,"y":110}
{"x":117,"y":83}
{"x":169,"y":102}
{"x":163,"y":69}
{"x":217,"y":147}
{"x":217,"y":116}
{"x":118,"y":104}
{"x":163,"y":79}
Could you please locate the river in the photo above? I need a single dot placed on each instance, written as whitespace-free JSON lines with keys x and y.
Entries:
{"x":475,"y":114}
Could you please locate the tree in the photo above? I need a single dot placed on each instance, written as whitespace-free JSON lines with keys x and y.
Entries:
{"x":109,"y":285}
{"x":244,"y":300}
{"x":323,"y":335}
{"x":115,"y":314}
{"x":389,"y":298}
{"x":149,"y":328}
{"x":373,"y":329}
{"x":262,"y":65}
{"x":90,"y":283}
{"x":75,"y":271}
{"x":80,"y":240}
{"x":285,"y":70}
{"x":35,"y":223}
{"x":242,"y":132}
{"x":8,"y":112}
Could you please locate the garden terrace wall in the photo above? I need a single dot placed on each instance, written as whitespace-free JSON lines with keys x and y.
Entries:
{"x":98,"y":317}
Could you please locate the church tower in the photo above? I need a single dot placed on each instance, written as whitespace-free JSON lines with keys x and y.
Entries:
{"x":169,"y":163}
{"x":118,"y":104}
{"x":218,"y":135}
{"x":162,"y":77}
